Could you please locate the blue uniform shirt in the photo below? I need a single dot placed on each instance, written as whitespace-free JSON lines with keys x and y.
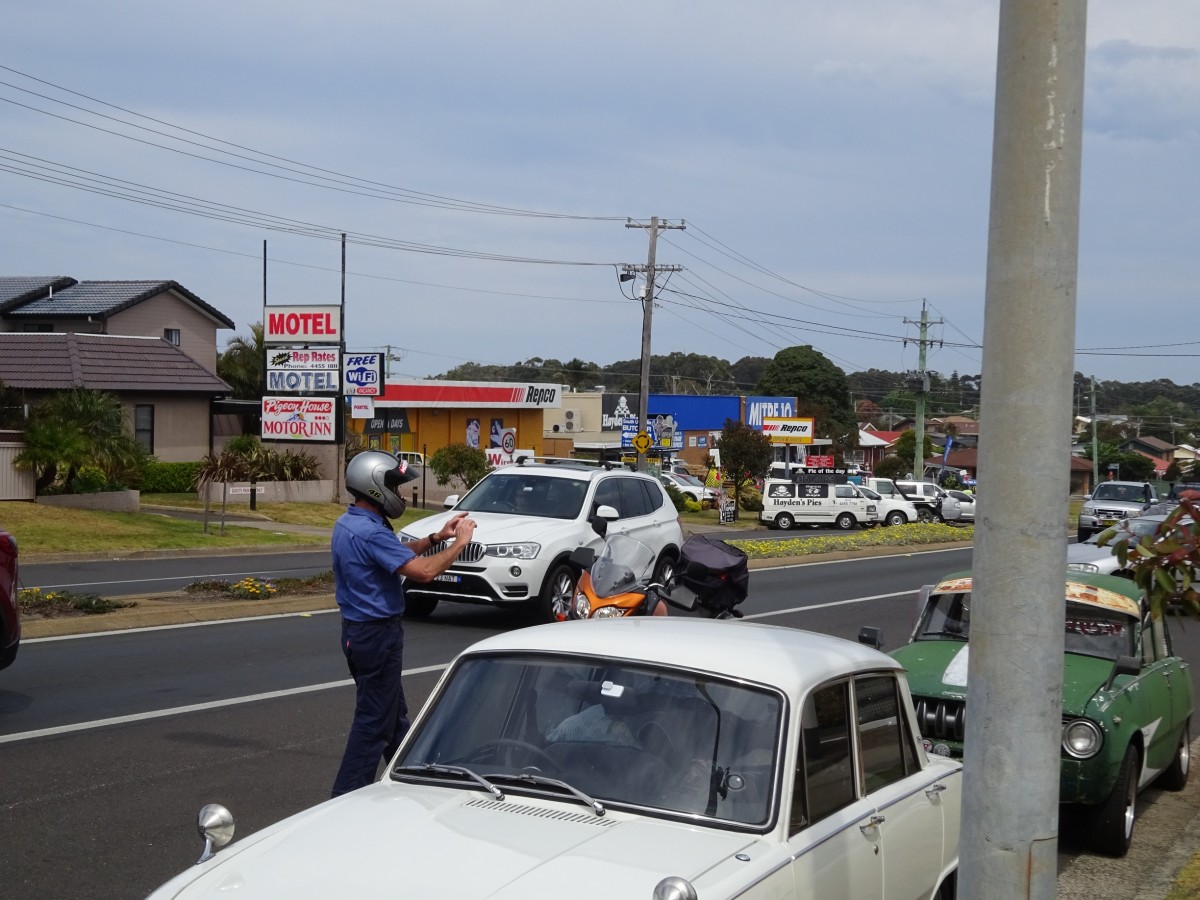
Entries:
{"x":366,"y":555}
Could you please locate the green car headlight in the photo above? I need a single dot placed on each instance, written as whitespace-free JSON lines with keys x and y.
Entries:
{"x":1081,"y":738}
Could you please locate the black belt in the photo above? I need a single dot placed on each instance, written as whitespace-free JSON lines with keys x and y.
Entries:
{"x":388,"y":621}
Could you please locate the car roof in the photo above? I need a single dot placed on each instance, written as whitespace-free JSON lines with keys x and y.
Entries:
{"x":567,"y":469}
{"x":789,"y":658}
{"x":1105,"y":591}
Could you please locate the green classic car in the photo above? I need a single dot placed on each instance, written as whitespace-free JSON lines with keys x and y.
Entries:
{"x":1127,"y":699}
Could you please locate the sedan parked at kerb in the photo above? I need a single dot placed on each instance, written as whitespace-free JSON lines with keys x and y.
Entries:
{"x":638,"y":758}
{"x":1127,"y":698}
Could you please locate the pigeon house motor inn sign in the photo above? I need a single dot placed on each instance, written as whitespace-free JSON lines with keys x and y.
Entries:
{"x":299,"y":418}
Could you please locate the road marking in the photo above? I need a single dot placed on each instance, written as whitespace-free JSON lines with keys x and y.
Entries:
{"x":798,"y":609}
{"x":140,"y":629}
{"x":195,"y":707}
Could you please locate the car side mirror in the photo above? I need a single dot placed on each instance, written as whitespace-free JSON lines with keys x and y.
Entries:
{"x":872,"y":637}
{"x":450,"y":501}
{"x":1125,"y":665}
{"x":601,"y":517}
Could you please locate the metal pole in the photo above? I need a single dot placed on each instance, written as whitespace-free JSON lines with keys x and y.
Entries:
{"x":339,"y":402}
{"x":647,"y":313}
{"x":1014,"y":707}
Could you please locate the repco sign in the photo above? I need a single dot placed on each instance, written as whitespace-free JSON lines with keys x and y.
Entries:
{"x":302,"y":324}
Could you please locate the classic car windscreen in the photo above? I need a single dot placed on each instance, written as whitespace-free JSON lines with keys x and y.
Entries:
{"x":1088,"y":630}
{"x":618,"y":732}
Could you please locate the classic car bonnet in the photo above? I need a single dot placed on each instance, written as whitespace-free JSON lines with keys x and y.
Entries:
{"x":414,"y":841}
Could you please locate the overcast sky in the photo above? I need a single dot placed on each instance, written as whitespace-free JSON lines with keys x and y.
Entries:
{"x":831,"y":162}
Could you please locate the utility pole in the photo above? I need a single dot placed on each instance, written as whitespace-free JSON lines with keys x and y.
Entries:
{"x":1013,"y":742}
{"x":647,"y":312}
{"x":1095,"y":443}
{"x":922,"y":389}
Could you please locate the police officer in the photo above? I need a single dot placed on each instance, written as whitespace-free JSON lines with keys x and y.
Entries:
{"x":368,"y":561}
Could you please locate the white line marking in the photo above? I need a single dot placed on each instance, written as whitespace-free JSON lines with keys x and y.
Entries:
{"x":800,"y":609}
{"x":195,"y":707}
{"x":96,"y":634}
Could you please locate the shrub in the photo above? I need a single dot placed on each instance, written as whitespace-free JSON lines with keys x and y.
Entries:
{"x":678,"y":498}
{"x":750,"y":499}
{"x":169,"y":478}
{"x":88,"y":480}
{"x":49,"y":604}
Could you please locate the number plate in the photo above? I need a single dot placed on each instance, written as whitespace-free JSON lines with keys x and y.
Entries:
{"x":454,"y":579}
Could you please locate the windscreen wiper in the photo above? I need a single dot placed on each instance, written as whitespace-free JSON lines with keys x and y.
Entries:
{"x":437,"y":769}
{"x":544,"y":781}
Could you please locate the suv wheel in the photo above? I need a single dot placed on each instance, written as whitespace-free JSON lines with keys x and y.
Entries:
{"x":557,"y":592}
{"x":926,"y":515}
{"x":1082,"y":534}
{"x":664,"y":569}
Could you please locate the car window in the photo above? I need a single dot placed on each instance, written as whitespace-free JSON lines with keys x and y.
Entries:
{"x":844,"y":491}
{"x":683,"y":742}
{"x":888,"y":752}
{"x":825,"y":779}
{"x":870,"y":494}
{"x":526,"y":494}
{"x":608,"y":493}
{"x":635,"y":500}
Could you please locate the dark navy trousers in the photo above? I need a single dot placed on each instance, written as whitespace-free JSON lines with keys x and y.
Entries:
{"x":375,"y":655}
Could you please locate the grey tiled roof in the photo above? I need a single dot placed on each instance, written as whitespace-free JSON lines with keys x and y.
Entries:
{"x":18,"y":289}
{"x":103,"y":299}
{"x":48,"y":361}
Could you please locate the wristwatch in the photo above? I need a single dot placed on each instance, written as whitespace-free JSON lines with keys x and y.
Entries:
{"x":433,"y":539}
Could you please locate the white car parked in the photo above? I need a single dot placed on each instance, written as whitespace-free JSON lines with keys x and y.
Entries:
{"x":692,"y":487}
{"x":657,"y":758}
{"x":891,"y":511}
{"x":529,"y":517}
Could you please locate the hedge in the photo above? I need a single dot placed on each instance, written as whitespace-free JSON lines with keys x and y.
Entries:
{"x":169,"y":477}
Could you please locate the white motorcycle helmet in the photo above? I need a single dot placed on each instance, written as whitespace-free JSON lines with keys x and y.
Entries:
{"x":375,"y":475}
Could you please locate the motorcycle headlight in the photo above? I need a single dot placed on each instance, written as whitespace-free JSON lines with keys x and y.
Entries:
{"x":513,"y":551}
{"x":1081,"y":739}
{"x":581,"y":605}
{"x":607,"y":612}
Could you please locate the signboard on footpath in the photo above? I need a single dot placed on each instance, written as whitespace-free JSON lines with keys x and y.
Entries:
{"x":363,"y":374}
{"x":299,"y":419}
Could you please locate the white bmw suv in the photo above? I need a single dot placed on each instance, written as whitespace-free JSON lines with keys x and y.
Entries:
{"x":529,"y":517}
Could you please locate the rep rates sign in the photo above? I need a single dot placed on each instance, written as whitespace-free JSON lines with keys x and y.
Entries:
{"x":298,"y":418}
{"x":302,"y":324}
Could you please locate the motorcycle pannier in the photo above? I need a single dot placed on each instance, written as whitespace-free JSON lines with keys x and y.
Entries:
{"x":725,"y":580}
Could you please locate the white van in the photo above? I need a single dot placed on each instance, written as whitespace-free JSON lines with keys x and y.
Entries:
{"x":786,"y":504}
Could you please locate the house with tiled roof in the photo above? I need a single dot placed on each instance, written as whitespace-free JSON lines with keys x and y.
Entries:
{"x":152,"y":343}
{"x":158,"y":309}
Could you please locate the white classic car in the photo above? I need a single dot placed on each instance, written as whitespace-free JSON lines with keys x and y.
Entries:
{"x":665,"y":758}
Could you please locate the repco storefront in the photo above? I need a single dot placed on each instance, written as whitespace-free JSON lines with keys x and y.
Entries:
{"x":424,"y":416}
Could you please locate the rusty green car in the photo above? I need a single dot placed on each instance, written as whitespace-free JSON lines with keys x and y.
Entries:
{"x":1127,"y":698}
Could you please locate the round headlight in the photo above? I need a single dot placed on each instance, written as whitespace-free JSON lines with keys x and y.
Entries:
{"x":1081,"y":738}
{"x":582,"y":606}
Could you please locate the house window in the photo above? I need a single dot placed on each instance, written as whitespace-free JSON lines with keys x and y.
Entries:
{"x":143,"y":426}
{"x":36,"y":327}
{"x":171,"y":335}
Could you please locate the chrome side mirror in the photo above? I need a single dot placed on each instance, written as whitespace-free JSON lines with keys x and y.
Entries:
{"x":215,"y":824}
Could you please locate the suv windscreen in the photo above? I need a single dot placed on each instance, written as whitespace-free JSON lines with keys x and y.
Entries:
{"x":1128,"y":493}
{"x":527,"y":494}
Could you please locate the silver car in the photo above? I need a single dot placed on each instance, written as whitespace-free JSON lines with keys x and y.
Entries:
{"x":1111,"y":502}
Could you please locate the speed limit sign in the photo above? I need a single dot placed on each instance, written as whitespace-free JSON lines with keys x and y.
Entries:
{"x":508,"y":440}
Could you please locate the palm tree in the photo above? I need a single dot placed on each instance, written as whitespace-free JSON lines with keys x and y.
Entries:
{"x":243,"y":365}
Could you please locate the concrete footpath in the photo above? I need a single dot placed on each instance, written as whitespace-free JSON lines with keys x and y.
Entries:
{"x":1165,"y":841}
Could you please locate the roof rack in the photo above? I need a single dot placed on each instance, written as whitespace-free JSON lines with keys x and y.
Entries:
{"x":558,"y":461}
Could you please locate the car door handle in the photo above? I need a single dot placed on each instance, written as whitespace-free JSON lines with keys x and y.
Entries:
{"x":875,"y":822}
{"x":932,"y":792}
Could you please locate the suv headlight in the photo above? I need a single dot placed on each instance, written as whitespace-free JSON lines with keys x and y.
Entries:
{"x":1087,"y":509}
{"x":1083,"y":567}
{"x":513,"y":551}
{"x":1081,"y":739}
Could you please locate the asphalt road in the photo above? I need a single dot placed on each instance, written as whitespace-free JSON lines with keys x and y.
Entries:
{"x":110,"y":744}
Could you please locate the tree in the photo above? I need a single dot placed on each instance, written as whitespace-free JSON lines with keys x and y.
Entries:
{"x":1164,"y":563}
{"x":821,"y":391}
{"x":243,"y":365}
{"x":906,"y":444}
{"x":71,"y":429}
{"x":892,"y":467}
{"x":467,"y":464}
{"x":745,"y":454}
